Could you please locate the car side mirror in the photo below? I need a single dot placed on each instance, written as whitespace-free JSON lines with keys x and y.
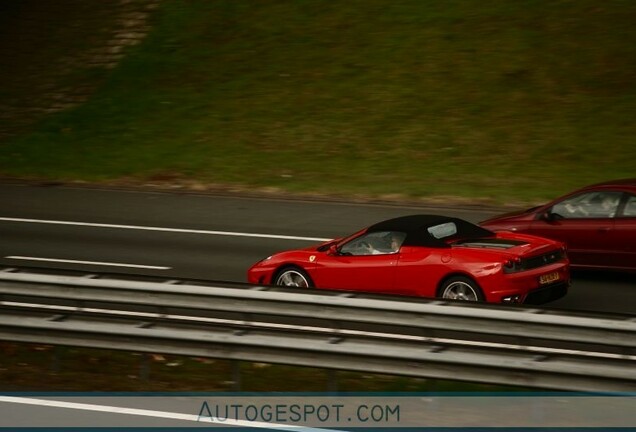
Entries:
{"x":548,"y":216}
{"x":333,"y":250}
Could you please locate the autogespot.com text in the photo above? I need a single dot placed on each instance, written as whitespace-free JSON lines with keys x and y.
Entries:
{"x":316,"y":412}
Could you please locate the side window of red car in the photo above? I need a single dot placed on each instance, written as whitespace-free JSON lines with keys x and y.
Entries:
{"x":374,"y":243}
{"x":630,"y":206}
{"x":589,"y":205}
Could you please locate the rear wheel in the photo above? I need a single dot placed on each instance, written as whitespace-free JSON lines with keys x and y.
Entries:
{"x":293,"y":277}
{"x":461,"y":288}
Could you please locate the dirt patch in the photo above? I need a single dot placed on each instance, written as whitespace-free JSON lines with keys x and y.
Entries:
{"x":55,"y":54}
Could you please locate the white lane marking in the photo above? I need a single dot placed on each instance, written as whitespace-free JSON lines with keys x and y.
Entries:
{"x":153,"y":228}
{"x":99,"y":263}
{"x":157,"y":414}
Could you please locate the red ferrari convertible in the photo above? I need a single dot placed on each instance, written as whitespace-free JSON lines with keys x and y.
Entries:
{"x":427,"y":256}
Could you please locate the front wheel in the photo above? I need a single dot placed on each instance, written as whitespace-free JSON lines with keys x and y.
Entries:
{"x":293,"y":277}
{"x":461,"y":288}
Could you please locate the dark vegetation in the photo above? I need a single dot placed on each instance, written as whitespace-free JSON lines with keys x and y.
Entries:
{"x":31,"y":367}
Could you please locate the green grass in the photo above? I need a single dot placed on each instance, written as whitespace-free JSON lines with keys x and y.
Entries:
{"x":33,"y":367}
{"x":500,"y":101}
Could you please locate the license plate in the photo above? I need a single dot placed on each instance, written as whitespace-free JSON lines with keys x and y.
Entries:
{"x":547,"y":278}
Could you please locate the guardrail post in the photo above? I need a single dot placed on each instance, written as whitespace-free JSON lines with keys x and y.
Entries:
{"x":236,"y":375}
{"x":144,"y":367}
{"x":56,"y":359}
{"x":332,"y":380}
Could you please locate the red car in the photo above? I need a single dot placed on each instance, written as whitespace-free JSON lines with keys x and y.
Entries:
{"x":428,"y":256}
{"x":597,"y":223}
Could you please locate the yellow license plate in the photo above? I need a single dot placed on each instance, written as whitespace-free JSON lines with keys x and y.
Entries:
{"x":547,"y":278}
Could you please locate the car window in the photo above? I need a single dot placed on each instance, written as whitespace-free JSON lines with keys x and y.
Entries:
{"x":589,"y":205}
{"x":374,"y":243}
{"x":630,"y":206}
{"x":440,"y":231}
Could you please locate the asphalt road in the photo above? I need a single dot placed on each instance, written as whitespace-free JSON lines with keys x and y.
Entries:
{"x":200,"y":236}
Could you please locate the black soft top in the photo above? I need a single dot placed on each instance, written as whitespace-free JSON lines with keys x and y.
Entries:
{"x":417,"y":234}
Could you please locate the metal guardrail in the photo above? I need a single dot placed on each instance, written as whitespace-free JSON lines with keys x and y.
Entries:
{"x":336,"y":330}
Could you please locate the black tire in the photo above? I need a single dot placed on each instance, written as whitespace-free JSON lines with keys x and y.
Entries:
{"x":461,"y":288}
{"x":293,"y":277}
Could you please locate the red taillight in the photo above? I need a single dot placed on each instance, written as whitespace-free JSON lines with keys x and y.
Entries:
{"x":512,"y":265}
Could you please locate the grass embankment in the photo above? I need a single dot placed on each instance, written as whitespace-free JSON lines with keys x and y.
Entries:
{"x":30,"y":367}
{"x":499,"y":100}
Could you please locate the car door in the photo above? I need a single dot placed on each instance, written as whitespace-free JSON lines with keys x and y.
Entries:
{"x":586,"y":223}
{"x":625,"y":234}
{"x":365,"y":263}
